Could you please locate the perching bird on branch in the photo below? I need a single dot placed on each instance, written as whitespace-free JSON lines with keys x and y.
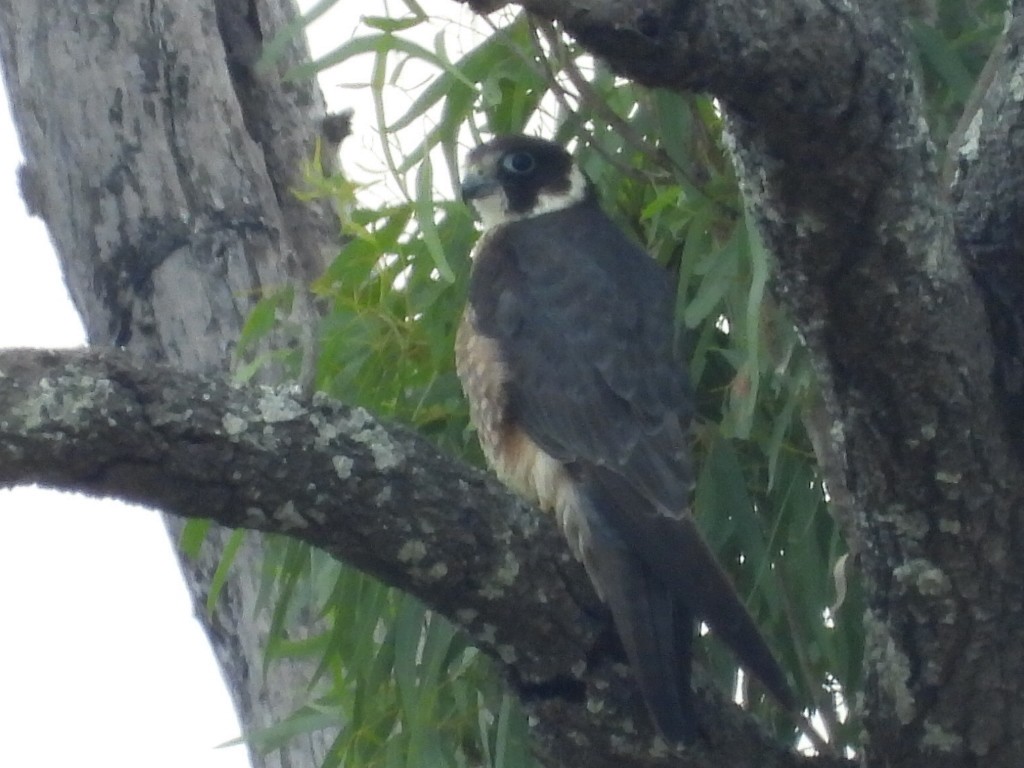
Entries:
{"x":566,"y":354}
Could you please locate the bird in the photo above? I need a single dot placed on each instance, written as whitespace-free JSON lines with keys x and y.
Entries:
{"x":566,"y":354}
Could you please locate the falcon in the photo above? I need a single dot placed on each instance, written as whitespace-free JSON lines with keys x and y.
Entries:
{"x":566,"y":354}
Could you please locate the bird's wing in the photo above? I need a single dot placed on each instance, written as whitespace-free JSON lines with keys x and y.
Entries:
{"x":583,"y":318}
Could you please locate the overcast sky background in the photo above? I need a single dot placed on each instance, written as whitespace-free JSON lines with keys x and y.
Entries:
{"x":101,"y":659}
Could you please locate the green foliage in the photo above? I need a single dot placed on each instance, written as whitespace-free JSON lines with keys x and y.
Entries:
{"x":953,"y":40}
{"x":387,"y":339}
{"x":399,"y":683}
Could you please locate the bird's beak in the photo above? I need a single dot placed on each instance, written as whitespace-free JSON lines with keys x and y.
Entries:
{"x":476,"y":184}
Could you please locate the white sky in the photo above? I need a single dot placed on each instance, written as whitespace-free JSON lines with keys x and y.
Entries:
{"x":101,"y":660}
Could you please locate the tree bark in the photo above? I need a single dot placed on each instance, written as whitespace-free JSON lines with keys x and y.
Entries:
{"x":163,"y":164}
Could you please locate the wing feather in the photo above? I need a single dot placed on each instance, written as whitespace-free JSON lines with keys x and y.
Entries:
{"x":584,"y":319}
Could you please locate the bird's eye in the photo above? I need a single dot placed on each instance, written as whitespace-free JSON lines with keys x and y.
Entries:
{"x":518,"y":162}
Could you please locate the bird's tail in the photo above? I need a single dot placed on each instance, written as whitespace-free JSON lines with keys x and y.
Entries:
{"x":707,"y":590}
{"x":655,"y":630}
{"x":671,"y":548}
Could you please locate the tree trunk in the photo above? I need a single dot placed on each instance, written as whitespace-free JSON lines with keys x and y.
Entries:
{"x":163,"y":162}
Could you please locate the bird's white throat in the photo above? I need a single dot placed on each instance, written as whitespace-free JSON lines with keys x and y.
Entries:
{"x":493,"y":209}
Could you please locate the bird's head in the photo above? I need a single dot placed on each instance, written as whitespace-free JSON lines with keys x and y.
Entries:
{"x":518,"y":177}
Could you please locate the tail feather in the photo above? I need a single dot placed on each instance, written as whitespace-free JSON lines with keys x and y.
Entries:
{"x":672,"y":548}
{"x":652,"y":627}
{"x":706,"y":588}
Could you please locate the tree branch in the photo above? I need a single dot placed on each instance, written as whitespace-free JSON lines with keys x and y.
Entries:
{"x":378,"y":496}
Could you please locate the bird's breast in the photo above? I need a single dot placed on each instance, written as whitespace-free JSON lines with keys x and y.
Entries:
{"x":517,"y":460}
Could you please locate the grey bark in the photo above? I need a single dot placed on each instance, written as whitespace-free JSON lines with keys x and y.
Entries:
{"x":162,"y":162}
